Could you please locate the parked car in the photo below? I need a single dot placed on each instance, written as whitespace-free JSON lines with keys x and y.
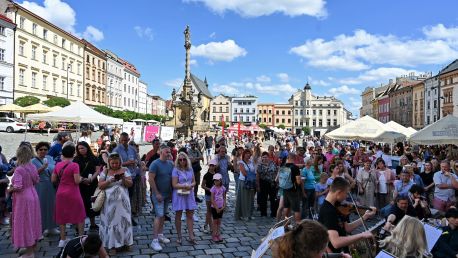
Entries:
{"x":10,"y":125}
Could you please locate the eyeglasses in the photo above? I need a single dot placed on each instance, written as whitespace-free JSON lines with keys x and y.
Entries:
{"x":43,"y":149}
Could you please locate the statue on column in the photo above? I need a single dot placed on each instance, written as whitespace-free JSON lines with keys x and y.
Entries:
{"x":187,"y":37}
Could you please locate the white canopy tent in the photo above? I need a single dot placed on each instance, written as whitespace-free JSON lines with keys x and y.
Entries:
{"x":399,"y":128}
{"x":77,"y":112}
{"x":411,"y":131}
{"x":368,"y":129}
{"x":443,"y":131}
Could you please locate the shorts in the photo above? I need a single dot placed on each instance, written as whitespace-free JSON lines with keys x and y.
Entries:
{"x":208,"y":198}
{"x":292,"y":200}
{"x":160,"y":208}
{"x":216,"y":215}
{"x":209,"y":151}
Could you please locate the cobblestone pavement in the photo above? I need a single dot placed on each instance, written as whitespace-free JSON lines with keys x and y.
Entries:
{"x":240,"y":238}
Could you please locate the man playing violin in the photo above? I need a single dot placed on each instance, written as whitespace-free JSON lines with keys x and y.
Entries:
{"x":398,"y":211}
{"x":339,"y":225}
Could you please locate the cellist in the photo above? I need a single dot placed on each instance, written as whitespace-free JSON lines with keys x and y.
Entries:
{"x":337,"y":224}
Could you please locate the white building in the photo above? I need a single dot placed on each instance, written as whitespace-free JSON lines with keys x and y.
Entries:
{"x":431,"y":89}
{"x":158,"y":106}
{"x":149,"y":104}
{"x":220,"y":106}
{"x":244,"y":109}
{"x":115,"y":73}
{"x":320,"y":113}
{"x":130,"y":86}
{"x":48,"y":60}
{"x":142,"y":89}
{"x":6,"y":60}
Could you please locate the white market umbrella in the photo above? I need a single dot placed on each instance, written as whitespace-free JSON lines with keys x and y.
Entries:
{"x":11,"y":108}
{"x":77,"y":112}
{"x":398,"y":128}
{"x":365,"y":128}
{"x":36,"y":108}
{"x":443,"y":131}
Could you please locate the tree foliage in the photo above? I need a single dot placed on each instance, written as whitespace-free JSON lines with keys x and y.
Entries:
{"x":26,"y":101}
{"x":306,"y":130}
{"x":282,"y":126}
{"x":263,"y":126}
{"x":57,"y":101}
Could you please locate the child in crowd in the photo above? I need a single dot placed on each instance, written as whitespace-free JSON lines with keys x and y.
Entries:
{"x":321,"y":189}
{"x":207,"y":184}
{"x":218,"y":200}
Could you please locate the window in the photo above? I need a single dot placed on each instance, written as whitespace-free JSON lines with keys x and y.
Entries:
{"x":34,"y":52}
{"x":63,"y":87}
{"x":214,"y":109}
{"x":214,"y":118}
{"x":21,"y":48}
{"x":321,"y":112}
{"x":45,"y":82}
{"x":45,"y":34}
{"x":63,"y":63}
{"x":71,"y":88}
{"x":227,"y":109}
{"x":79,"y":90}
{"x":34,"y":29}
{"x":313,"y":112}
{"x":328,"y":122}
{"x":254,"y":110}
{"x":54,"y":84}
{"x":54,"y":60}
{"x":21,"y":22}
{"x":2,"y":30}
{"x":21,"y":76}
{"x":78,"y":71}
{"x":63,"y":43}
{"x":435,"y":106}
{"x":235,"y":110}
{"x":335,"y":112}
{"x":2,"y":54}
{"x":55,"y":39}
{"x":45,"y":54}
{"x":71,"y":47}
{"x":34,"y":79}
{"x":335,"y":122}
{"x":329,"y":112}
{"x":221,"y":109}
{"x":320,"y":122}
{"x":2,"y":82}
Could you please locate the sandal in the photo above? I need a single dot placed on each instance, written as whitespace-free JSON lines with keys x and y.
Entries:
{"x":192,"y":241}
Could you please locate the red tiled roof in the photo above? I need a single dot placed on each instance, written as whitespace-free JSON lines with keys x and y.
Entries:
{"x":3,"y":17}
{"x":93,"y":48}
{"x":129,"y":66}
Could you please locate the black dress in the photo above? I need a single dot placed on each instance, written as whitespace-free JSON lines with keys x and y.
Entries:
{"x":88,"y":166}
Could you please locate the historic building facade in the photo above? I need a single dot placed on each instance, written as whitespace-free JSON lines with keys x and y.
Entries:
{"x":449,"y":89}
{"x":95,"y":80}
{"x":115,"y":73}
{"x":418,"y":109}
{"x":130,"y":83}
{"x":48,"y":60}
{"x":367,"y":97}
{"x":7,"y":28}
{"x":431,"y":99}
{"x":244,"y":109}
{"x":266,"y":113}
{"x":142,"y":103}
{"x":401,"y":104}
{"x":220,"y":107}
{"x":320,"y":113}
{"x":158,"y":106}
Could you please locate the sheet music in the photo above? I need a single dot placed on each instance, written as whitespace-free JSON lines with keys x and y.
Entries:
{"x":384,"y":254}
{"x":262,"y":248}
{"x":432,"y":235}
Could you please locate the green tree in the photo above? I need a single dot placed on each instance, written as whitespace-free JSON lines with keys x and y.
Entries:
{"x":26,"y":101}
{"x":282,"y":126}
{"x":226,"y":125}
{"x":104,"y":110}
{"x":263,"y":126}
{"x":306,"y":130}
{"x":57,"y":101}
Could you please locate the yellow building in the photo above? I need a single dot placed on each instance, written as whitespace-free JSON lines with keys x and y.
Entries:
{"x":283,"y":115}
{"x":95,"y":81}
{"x":266,"y":114}
{"x":418,"y":117}
{"x":48,"y":60}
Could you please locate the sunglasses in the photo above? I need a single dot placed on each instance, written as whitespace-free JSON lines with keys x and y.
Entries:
{"x":43,"y":149}
{"x":181,"y":159}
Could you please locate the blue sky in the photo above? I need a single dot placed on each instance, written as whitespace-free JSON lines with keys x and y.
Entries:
{"x":268,"y":48}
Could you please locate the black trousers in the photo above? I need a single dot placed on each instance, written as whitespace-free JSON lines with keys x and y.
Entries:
{"x":267,"y":192}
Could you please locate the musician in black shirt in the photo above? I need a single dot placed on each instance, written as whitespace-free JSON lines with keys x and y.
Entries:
{"x":84,"y":246}
{"x":338,"y":225}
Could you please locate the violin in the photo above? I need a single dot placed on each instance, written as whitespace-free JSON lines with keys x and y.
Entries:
{"x":347,"y":208}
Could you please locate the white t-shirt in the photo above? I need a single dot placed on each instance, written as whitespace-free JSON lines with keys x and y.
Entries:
{"x":85,"y":139}
{"x":387,"y":160}
{"x":382,"y":187}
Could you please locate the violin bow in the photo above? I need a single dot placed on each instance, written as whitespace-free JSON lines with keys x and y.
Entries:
{"x":364,"y":224}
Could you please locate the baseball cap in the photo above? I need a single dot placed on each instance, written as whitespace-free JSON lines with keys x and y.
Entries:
{"x":213,"y":162}
{"x":217,"y":176}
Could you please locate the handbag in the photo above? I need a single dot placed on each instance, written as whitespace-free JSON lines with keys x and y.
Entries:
{"x":250,"y":182}
{"x":98,"y":199}
{"x":59,"y":176}
{"x":183,"y":192}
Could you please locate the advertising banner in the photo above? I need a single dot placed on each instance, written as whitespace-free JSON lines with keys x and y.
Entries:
{"x":151,"y":132}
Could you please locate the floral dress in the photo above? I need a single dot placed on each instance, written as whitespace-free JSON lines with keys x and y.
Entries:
{"x":115,"y":217}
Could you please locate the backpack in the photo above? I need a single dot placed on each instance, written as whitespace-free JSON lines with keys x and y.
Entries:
{"x":284,"y":178}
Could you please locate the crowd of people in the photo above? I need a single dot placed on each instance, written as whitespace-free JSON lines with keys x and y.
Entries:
{"x":53,"y":185}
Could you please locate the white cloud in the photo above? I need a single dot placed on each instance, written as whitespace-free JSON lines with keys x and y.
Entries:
{"x":226,"y":89}
{"x":174,"y":83}
{"x":381,"y":74}
{"x":276,"y":89}
{"x":344,"y":89}
{"x":212,"y":35}
{"x":283,"y":77}
{"x":144,"y":32}
{"x":362,"y":50}
{"x":93,"y":34}
{"x":193,"y":62}
{"x":254,"y":87}
{"x":314,"y":82}
{"x":263,"y":78}
{"x":256,"y":8}
{"x":62,"y":15}
{"x":441,"y":32}
{"x":219,"y":51}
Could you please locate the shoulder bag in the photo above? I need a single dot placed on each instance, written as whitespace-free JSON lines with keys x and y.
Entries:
{"x":59,"y":175}
{"x":98,"y":199}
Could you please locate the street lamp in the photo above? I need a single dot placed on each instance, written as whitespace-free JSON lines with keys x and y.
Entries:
{"x":68,"y":67}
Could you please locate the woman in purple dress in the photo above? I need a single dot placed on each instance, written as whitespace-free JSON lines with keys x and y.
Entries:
{"x":183,"y":182}
{"x":26,"y":225}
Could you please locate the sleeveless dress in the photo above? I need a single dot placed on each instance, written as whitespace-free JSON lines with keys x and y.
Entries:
{"x":46,"y":193}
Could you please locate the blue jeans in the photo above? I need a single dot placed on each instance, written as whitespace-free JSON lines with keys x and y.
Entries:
{"x":308,"y":203}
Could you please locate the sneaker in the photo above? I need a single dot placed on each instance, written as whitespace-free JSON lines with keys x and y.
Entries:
{"x":196,"y":219}
{"x":62,"y":243}
{"x":155,"y":245}
{"x":163,"y":239}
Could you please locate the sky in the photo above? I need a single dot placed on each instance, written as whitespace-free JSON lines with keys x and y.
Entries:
{"x":268,"y":48}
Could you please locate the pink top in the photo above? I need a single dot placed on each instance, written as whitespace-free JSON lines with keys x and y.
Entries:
{"x":218,"y":195}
